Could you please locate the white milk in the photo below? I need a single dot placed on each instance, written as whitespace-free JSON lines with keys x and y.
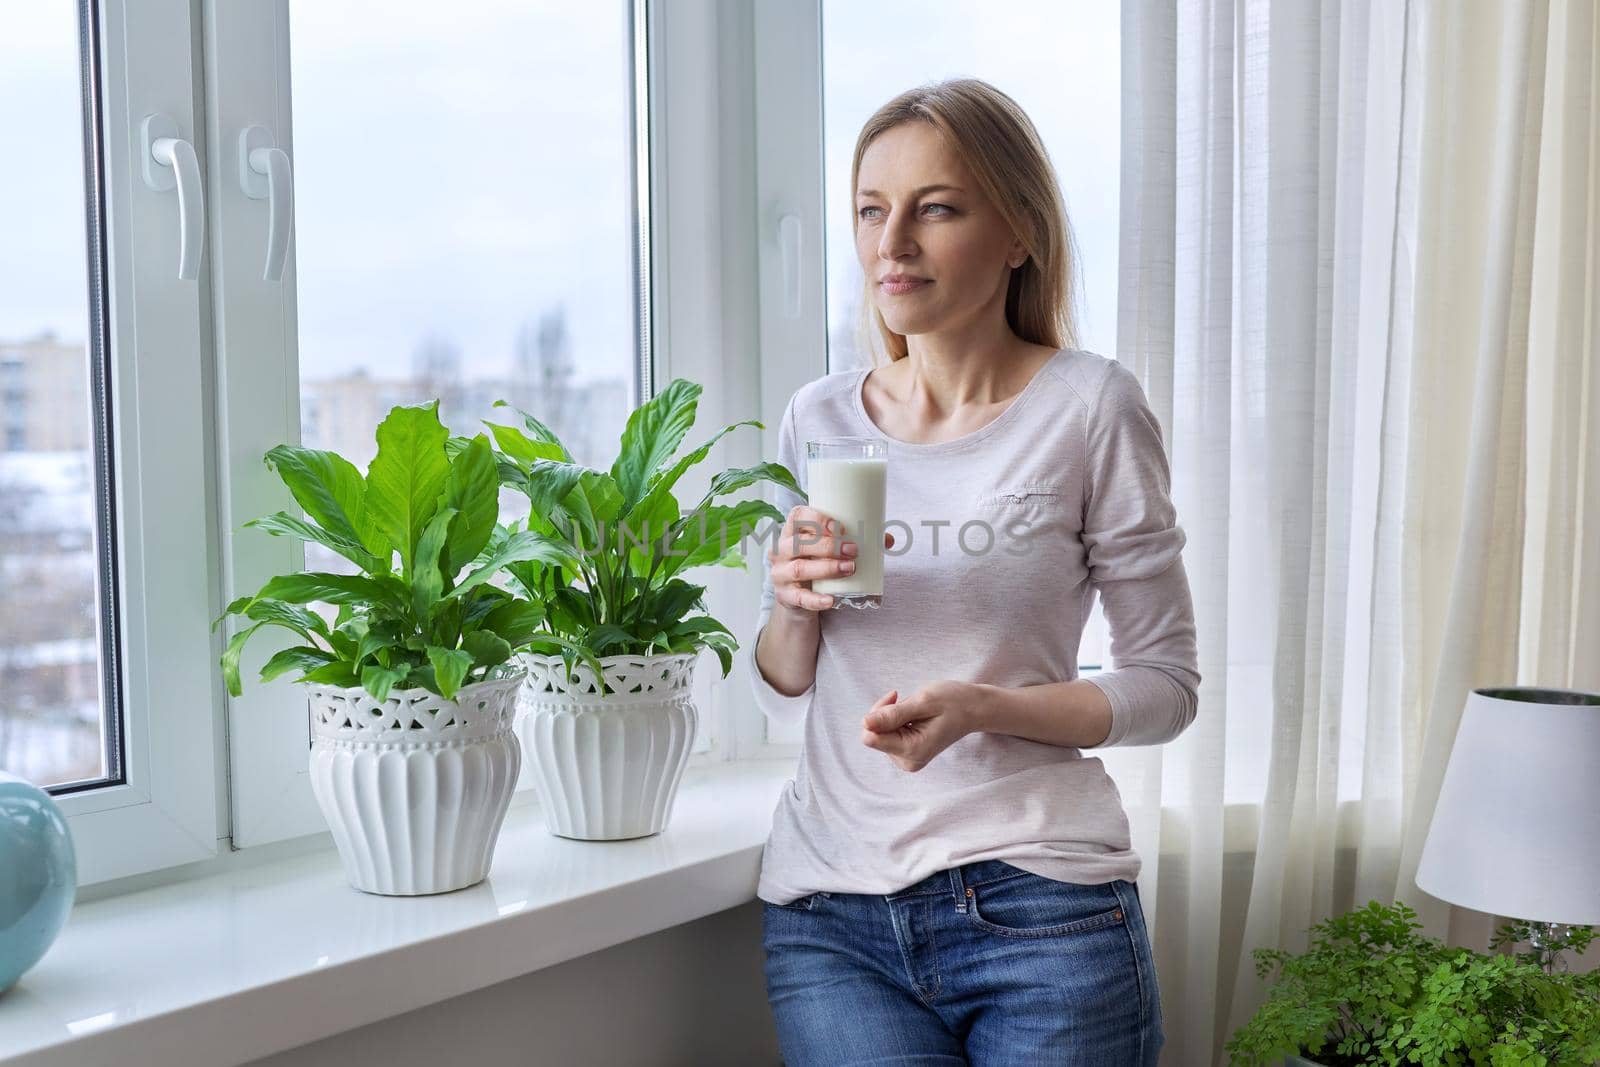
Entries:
{"x":853,"y":491}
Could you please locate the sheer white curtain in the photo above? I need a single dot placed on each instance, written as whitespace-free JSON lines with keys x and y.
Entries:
{"x":1359,"y":281}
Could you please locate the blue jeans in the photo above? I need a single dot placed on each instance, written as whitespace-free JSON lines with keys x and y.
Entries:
{"x":985,"y":964}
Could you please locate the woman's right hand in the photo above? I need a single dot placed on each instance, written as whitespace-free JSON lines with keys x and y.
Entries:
{"x":810,"y":547}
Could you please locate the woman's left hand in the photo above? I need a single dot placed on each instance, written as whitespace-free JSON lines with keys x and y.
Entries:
{"x":915,"y":730}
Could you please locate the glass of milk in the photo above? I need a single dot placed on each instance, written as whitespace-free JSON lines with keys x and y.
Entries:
{"x":847,"y":480}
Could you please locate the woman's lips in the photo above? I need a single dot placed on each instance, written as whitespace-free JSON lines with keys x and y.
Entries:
{"x":904,"y":287}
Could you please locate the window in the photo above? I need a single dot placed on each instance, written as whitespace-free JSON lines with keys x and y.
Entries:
{"x":465,"y":229}
{"x":483,"y":265}
{"x":107,"y":676}
{"x":58,"y":724}
{"x":485,"y":207}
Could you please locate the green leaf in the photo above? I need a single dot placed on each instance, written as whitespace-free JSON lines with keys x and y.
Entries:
{"x":577,"y":605}
{"x":700,"y":625}
{"x":518,"y":548}
{"x":540,"y":433}
{"x":552,"y":644}
{"x":723,"y":526}
{"x":608,"y":635}
{"x":303,"y":659}
{"x":483,"y":600}
{"x":338,"y":673}
{"x":650,"y":520}
{"x":309,"y":586}
{"x":235,"y":608}
{"x":444,"y":622}
{"x":427,"y":583}
{"x":654,"y":431}
{"x":283,"y":524}
{"x":347,"y":635}
{"x":548,"y":482}
{"x":302,"y":621}
{"x":488,"y":649}
{"x":473,"y":490}
{"x":526,"y":577}
{"x":380,"y":635}
{"x":230,"y":657}
{"x":330,"y":490}
{"x":406,"y":478}
{"x":266,"y":612}
{"x":724,"y":647}
{"x":594,"y":502}
{"x":672,"y":602}
{"x":731,"y":481}
{"x":661,"y":484}
{"x":450,"y":666}
{"x":377,"y":681}
{"x":515,"y":621}
{"x":518,"y":446}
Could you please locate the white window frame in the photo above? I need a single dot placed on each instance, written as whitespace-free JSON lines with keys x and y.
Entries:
{"x":790,"y":171}
{"x":732,"y":95}
{"x":169,"y":811}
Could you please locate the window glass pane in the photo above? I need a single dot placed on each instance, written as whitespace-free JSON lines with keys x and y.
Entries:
{"x":1060,"y":62}
{"x":52,"y":730}
{"x":464,"y":189}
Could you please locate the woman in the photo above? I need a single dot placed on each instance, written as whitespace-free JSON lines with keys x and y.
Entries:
{"x":948,"y":878}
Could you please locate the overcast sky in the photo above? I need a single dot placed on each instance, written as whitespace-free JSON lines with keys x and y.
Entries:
{"x":466,"y":169}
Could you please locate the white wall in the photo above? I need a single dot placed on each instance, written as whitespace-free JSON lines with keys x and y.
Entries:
{"x":691,"y":995}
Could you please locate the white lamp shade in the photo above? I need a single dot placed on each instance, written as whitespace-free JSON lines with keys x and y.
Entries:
{"x":1517,"y":828}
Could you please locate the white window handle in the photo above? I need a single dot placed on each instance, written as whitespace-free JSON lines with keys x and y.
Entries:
{"x":264,"y":175}
{"x":789,"y":245}
{"x":169,"y":162}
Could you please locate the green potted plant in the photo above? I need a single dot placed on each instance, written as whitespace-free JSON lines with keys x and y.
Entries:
{"x":610,"y":719}
{"x":1370,"y":990}
{"x":413,"y":685}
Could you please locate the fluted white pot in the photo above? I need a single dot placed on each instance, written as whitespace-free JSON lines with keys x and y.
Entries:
{"x":415,"y":787}
{"x":608,"y":766}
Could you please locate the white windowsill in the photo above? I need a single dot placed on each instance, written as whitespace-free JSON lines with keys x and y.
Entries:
{"x":230,"y":967}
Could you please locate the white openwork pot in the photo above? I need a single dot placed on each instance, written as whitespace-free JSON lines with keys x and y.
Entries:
{"x":608,"y":765}
{"x":415,"y":787}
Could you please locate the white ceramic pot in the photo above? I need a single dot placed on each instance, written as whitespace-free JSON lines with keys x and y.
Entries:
{"x":415,"y":787}
{"x":608,"y":766}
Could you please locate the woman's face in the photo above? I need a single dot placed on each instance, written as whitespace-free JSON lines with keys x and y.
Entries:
{"x":950,"y":240}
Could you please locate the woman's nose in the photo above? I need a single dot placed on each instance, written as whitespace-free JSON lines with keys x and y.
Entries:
{"x":895,"y":241}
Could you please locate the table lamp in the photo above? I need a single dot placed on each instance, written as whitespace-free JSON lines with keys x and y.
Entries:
{"x":1516,"y":831}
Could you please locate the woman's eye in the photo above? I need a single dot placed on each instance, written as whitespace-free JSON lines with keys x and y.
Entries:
{"x":947,"y":209}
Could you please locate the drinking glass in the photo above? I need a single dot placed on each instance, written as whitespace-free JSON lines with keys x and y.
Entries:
{"x":847,"y":480}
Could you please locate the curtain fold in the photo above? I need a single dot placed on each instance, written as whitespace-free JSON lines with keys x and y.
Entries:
{"x":1358,"y":280}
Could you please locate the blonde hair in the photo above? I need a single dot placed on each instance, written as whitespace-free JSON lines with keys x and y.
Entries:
{"x":997,"y":141}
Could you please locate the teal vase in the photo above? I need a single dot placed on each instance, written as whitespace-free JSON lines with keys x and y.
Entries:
{"x":38,"y":875}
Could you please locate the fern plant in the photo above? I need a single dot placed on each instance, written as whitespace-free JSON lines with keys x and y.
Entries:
{"x":1370,"y":990}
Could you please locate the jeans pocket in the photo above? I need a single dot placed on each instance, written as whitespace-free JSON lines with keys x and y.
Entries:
{"x":1032,"y":905}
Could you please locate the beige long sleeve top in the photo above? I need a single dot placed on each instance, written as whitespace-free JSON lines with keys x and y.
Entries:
{"x":1072,"y":484}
